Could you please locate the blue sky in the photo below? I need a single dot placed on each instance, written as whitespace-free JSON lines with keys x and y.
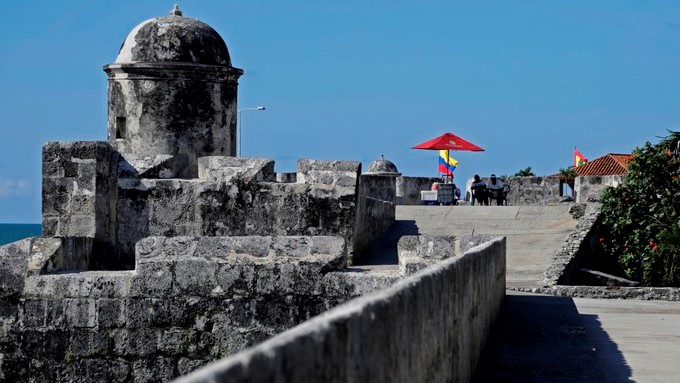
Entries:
{"x":526,"y":80}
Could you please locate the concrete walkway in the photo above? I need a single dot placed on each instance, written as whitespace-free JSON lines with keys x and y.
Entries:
{"x":636,"y":341}
{"x":534,"y":234}
{"x":541,"y":338}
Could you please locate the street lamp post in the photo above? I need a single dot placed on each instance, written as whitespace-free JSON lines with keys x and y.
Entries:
{"x":259,"y":107}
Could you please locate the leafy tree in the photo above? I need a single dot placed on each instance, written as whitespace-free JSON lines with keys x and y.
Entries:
{"x":569,"y":173}
{"x":641,"y":217}
{"x":526,"y":172}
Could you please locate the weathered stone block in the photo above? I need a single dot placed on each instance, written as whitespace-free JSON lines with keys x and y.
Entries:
{"x":214,"y":247}
{"x":138,"y":342}
{"x":177,"y":341}
{"x":55,"y":317}
{"x":235,"y":169}
{"x":236,"y":278}
{"x":340,"y":174}
{"x":153,"y":370}
{"x":77,"y":285}
{"x":89,"y":342}
{"x":172,"y":208}
{"x":34,"y":313}
{"x":255,"y":246}
{"x":113,"y":284}
{"x":180,"y":247}
{"x":111,"y":313}
{"x":186,"y":365}
{"x":9,"y":310}
{"x":327,"y":246}
{"x":149,"y":247}
{"x":290,"y":246}
{"x":13,"y":265}
{"x":152,"y":279}
{"x":80,"y":312}
{"x":195,"y":276}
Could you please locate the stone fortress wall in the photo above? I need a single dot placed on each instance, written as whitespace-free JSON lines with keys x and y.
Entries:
{"x":190,"y":300}
{"x":546,"y":190}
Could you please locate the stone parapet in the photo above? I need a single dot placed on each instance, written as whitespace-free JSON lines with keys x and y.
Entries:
{"x":416,"y":252}
{"x":211,"y":208}
{"x":534,"y":191}
{"x":332,"y":173}
{"x":431,"y":326}
{"x":188,"y":302}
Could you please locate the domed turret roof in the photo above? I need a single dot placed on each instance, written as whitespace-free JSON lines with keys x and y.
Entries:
{"x":174,"y":39}
{"x":383,"y":167}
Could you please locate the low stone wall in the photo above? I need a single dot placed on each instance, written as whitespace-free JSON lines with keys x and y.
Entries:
{"x":188,"y":302}
{"x":589,"y":189}
{"x":430,"y":327}
{"x":176,"y":207}
{"x":409,"y":188}
{"x":564,"y":267}
{"x":534,"y":191}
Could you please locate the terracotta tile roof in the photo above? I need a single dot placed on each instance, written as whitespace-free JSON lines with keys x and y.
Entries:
{"x":612,"y":164}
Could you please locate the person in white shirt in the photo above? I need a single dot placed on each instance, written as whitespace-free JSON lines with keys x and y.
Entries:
{"x":495,"y":187}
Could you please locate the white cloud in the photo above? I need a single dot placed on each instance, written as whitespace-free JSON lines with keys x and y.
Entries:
{"x":10,"y":187}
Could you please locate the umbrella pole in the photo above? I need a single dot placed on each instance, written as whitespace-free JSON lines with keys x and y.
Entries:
{"x":448,"y":162}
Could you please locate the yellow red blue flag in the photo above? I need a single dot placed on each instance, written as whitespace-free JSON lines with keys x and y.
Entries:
{"x":447,"y":164}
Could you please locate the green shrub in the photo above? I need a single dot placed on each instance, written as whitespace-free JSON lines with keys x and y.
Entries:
{"x":526,"y":172}
{"x":640,"y":221}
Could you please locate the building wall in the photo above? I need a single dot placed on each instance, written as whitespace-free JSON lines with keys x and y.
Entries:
{"x":589,"y":189}
{"x":430,"y":327}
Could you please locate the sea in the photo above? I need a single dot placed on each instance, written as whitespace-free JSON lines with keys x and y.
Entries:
{"x":10,"y":232}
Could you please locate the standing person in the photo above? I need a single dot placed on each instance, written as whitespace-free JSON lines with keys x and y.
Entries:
{"x":479,"y":191}
{"x":495,"y":187}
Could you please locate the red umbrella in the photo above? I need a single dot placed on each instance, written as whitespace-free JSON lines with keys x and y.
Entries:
{"x":448,"y":141}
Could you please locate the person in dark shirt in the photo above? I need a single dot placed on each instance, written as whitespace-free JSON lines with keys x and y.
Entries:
{"x":479,"y":192}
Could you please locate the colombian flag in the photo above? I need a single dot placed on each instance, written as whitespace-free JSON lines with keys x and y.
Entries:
{"x":579,"y":159}
{"x":446,"y":164}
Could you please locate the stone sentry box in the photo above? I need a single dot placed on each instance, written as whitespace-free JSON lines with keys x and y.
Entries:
{"x":172,"y":91}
